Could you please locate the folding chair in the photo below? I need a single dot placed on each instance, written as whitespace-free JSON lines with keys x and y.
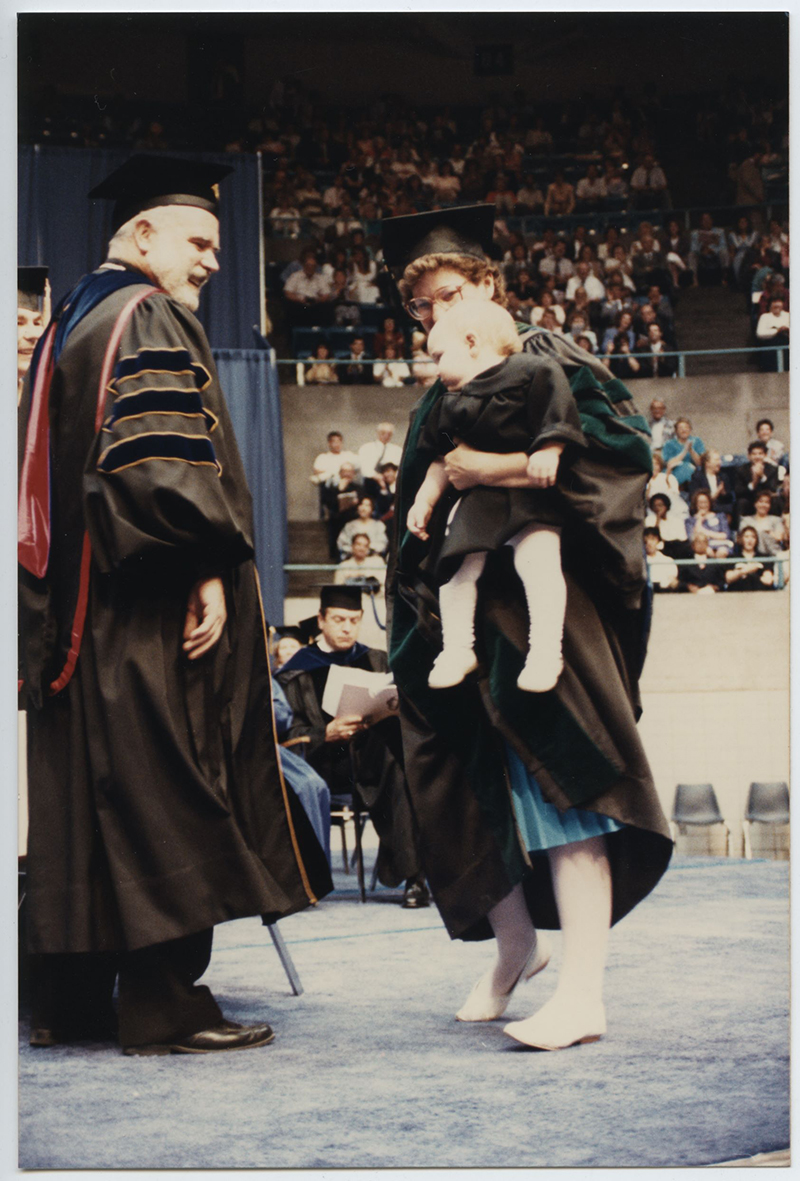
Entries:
{"x":767,"y":804}
{"x":696,"y":806}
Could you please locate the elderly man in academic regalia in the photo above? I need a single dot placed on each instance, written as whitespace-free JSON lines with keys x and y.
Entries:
{"x":376,"y":749}
{"x":156,"y":801}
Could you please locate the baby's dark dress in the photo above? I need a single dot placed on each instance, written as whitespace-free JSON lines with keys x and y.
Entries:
{"x":518,"y":405}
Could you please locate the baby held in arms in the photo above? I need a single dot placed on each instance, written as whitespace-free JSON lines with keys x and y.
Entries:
{"x":497,"y":399}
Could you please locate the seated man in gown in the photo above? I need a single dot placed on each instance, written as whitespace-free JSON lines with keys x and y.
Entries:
{"x":376,"y":749}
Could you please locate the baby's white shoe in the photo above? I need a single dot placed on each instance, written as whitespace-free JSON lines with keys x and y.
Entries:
{"x":484,"y":1004}
{"x":451,"y":666}
{"x":540,"y":673}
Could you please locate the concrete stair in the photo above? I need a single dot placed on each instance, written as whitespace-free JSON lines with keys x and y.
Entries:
{"x":308,"y":542}
{"x":713,"y":318}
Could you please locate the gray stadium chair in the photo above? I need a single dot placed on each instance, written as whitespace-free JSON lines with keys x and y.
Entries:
{"x":696,"y":806}
{"x":768,"y":805}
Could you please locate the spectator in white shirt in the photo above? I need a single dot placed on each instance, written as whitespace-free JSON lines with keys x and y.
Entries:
{"x":661,"y":427}
{"x":379,"y":450}
{"x":328,"y":463}
{"x":773,"y":326}
{"x":590,"y":191}
{"x":584,"y":278}
{"x":308,"y":285}
{"x":391,"y":373}
{"x":361,"y":564}
{"x":557,"y":264}
{"x":663,"y":570}
{"x":649,"y":184}
{"x":775,"y":449}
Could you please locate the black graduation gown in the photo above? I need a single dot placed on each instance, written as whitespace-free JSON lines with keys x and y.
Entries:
{"x":378,"y":756}
{"x":157,"y":807}
{"x":519,"y":405}
{"x":579,"y":740}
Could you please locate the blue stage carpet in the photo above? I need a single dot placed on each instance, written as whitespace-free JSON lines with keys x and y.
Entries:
{"x":369,"y":1069}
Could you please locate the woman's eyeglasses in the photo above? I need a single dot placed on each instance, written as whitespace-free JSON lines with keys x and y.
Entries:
{"x":420,"y":309}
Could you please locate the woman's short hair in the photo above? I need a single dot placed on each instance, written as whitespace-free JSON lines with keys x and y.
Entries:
{"x":660,"y":496}
{"x":473,"y":269}
{"x":695,"y":498}
{"x":746,"y":529}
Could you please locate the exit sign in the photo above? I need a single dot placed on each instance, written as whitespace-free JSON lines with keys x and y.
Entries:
{"x":494,"y":59}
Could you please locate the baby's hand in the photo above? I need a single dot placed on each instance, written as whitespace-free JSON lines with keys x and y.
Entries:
{"x":543,"y":465}
{"x":418,"y":517}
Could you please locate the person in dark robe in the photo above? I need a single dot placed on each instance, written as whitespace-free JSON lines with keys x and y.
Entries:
{"x":338,"y":747}
{"x":535,"y":810}
{"x":157,"y":807}
{"x":33,"y":312}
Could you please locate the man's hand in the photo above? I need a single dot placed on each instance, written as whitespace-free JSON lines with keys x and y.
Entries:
{"x":344,"y":728}
{"x":418,"y":516}
{"x":543,"y":465}
{"x":206,"y":615}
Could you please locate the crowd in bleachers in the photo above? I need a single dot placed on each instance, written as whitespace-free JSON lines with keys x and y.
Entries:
{"x":705,"y":506}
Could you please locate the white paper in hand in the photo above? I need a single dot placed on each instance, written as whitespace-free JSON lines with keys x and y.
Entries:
{"x":371,"y":696}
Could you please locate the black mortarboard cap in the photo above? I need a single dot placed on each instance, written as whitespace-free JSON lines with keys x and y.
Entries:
{"x":30,"y":286}
{"x":307,"y":629}
{"x":347,"y":597}
{"x":466,"y":229}
{"x":145,"y":182}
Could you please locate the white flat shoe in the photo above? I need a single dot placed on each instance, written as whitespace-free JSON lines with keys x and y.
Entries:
{"x":539,"y":676}
{"x":484,"y":1005}
{"x":551,"y":1031}
{"x":451,"y":666}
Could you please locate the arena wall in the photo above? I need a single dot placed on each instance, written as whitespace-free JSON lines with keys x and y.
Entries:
{"x":724,"y":409}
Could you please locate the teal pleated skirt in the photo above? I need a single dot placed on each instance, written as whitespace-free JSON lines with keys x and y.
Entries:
{"x":542,"y":826}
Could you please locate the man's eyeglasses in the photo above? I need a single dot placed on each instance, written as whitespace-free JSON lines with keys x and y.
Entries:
{"x":420,"y":309}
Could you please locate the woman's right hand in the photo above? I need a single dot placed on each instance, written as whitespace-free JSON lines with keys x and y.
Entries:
{"x":417,"y":519}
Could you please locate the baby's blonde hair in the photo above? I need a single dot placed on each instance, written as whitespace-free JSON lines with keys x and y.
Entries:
{"x":491,"y":324}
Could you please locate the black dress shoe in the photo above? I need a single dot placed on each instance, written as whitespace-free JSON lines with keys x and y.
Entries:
{"x":416,"y":895}
{"x":226,"y":1036}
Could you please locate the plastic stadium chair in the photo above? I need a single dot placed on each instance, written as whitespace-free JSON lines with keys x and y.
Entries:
{"x":696,"y":806}
{"x":767,"y":803}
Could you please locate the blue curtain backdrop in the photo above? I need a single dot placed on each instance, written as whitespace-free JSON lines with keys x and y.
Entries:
{"x":250,"y":381}
{"x":58,"y":227}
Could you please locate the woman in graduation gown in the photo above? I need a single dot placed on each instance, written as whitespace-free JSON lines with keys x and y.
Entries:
{"x":536,"y":810}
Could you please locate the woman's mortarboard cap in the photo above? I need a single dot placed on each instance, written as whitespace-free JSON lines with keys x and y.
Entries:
{"x":145,"y":182}
{"x":30,"y":286}
{"x":467,"y":229}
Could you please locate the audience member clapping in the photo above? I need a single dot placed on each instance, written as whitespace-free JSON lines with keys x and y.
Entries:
{"x":756,"y":476}
{"x":682,"y":454}
{"x":710,"y":478}
{"x":391,"y":373}
{"x":622,"y":326}
{"x":619,"y":360}
{"x":656,"y":364}
{"x":322,"y":371}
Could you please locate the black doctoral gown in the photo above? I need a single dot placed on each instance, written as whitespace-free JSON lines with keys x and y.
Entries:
{"x":156,"y":802}
{"x":378,"y":756}
{"x":580,"y":739}
{"x":519,"y":405}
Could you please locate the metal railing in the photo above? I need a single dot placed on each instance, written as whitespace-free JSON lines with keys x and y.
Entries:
{"x":778,"y":560}
{"x":681,"y":354}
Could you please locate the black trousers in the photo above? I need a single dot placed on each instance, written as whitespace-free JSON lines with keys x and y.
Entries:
{"x":159,"y":999}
